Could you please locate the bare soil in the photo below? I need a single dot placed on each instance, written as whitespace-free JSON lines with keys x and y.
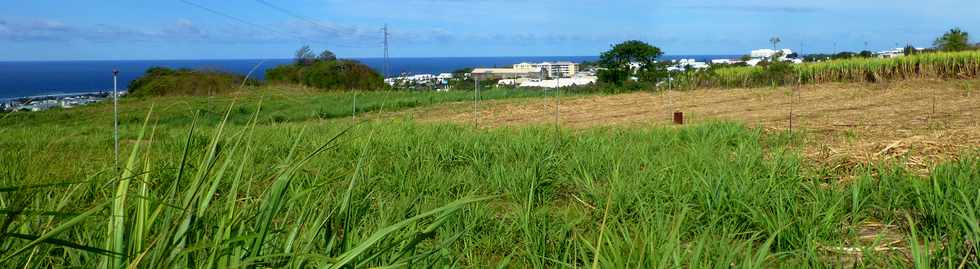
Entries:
{"x":917,"y":122}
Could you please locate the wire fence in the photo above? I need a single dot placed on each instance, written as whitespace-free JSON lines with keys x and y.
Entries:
{"x":913,"y":105}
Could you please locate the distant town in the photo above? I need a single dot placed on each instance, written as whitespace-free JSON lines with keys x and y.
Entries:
{"x":40,"y":103}
{"x":544,"y":75}
{"x":565,"y":74}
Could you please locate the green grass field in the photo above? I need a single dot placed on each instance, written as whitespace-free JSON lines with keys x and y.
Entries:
{"x":938,"y":65}
{"x":283,"y":180}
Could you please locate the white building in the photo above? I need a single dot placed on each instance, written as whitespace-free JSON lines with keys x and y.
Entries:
{"x":413,"y":79}
{"x":894,"y":53}
{"x":684,"y":64}
{"x":560,"y":69}
{"x":561,"y":82}
{"x":722,"y":61}
{"x":529,"y":70}
{"x":556,"y":69}
{"x":768,"y":53}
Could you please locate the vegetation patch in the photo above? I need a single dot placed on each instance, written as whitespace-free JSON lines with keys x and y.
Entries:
{"x":939,"y":65}
{"x":162,"y":81}
{"x":326,"y":72}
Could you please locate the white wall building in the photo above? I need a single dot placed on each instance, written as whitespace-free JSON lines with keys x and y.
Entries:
{"x":556,"y":69}
{"x":530,"y":70}
{"x":684,"y":64}
{"x":562,"y":82}
{"x":768,"y":53}
{"x":722,"y":61}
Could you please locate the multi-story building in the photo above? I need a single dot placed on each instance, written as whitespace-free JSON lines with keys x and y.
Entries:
{"x":553,"y":70}
{"x":529,"y":70}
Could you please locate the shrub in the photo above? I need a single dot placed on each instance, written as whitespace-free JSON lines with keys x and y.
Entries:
{"x":162,"y":81}
{"x":328,"y":75}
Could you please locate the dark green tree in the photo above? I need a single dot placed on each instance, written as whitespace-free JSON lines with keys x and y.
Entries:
{"x":617,"y":62}
{"x":304,"y":56}
{"x":954,"y":40}
{"x":909,"y":50}
{"x":461,"y":73}
{"x":328,"y":75}
{"x":327,"y":55}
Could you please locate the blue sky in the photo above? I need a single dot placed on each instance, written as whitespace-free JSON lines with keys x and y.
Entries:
{"x":181,"y":29}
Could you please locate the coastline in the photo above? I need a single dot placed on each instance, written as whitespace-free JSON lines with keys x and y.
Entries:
{"x":49,"y":101}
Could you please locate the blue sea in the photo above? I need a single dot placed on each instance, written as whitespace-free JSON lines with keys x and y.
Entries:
{"x":21,"y":79}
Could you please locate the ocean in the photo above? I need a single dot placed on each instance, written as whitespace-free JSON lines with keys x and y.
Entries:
{"x":21,"y":79}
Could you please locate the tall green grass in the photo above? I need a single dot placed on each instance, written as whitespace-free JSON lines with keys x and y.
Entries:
{"x":940,"y":65}
{"x":248,"y":192}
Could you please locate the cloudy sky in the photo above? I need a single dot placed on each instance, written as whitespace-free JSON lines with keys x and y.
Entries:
{"x":223,"y":29}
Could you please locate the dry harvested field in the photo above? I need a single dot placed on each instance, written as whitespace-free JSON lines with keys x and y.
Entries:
{"x":917,"y":122}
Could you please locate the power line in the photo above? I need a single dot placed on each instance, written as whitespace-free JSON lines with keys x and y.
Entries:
{"x":243,"y":21}
{"x":300,"y":17}
{"x":290,"y":13}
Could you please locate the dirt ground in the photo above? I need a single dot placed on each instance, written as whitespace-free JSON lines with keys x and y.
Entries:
{"x":917,"y":122}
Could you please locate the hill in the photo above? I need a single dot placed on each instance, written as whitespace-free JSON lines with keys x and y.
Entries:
{"x":162,"y":81}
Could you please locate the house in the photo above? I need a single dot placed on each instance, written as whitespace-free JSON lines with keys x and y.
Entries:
{"x":722,"y":61}
{"x":684,"y":64}
{"x":894,"y":53}
{"x":753,"y":62}
{"x":513,"y":82}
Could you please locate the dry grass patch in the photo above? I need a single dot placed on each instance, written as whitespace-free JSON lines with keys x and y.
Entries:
{"x":919,"y":122}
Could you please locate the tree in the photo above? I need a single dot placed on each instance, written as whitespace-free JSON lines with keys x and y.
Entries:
{"x":954,"y":40}
{"x":462,"y":72}
{"x":909,"y":50}
{"x":328,"y":75}
{"x":304,"y":56}
{"x":617,"y":63}
{"x":844,"y":55}
{"x":327,"y":55}
{"x":775,"y":41}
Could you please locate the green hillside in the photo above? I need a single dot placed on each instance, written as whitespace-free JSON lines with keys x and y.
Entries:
{"x":273,"y":177}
